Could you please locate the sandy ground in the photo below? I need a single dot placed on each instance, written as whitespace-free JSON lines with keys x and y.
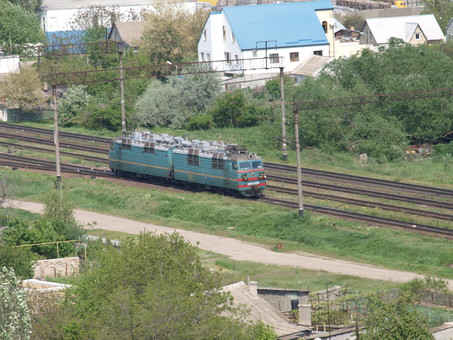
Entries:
{"x":235,"y":249}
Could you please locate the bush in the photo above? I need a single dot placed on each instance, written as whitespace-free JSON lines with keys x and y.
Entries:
{"x":200,"y":122}
{"x":74,"y":99}
{"x":99,"y":116}
{"x":444,"y":149}
{"x":19,"y":259}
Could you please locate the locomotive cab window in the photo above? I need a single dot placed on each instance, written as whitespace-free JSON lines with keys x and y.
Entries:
{"x":234,"y":165}
{"x":257,"y":165}
{"x":193,"y":160}
{"x":244,"y":165}
{"x":149,"y":150}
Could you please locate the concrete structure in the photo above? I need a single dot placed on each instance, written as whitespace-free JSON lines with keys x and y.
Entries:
{"x":9,"y":64}
{"x":257,"y":300}
{"x":414,"y":30}
{"x":443,"y":332}
{"x":67,"y":266}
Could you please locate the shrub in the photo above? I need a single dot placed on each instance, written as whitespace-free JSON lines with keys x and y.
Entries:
{"x":200,"y":122}
{"x":444,"y":149}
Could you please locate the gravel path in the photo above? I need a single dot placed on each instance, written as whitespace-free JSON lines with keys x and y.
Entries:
{"x":235,"y":249}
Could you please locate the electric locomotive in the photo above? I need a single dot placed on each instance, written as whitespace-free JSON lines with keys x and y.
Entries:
{"x":209,"y":163}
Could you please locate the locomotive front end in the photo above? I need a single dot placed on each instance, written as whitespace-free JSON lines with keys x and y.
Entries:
{"x":251,"y":176}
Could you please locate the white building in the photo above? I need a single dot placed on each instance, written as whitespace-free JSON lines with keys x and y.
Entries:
{"x":55,"y":16}
{"x":285,"y":33}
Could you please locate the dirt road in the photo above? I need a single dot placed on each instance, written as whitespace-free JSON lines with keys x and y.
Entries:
{"x":235,"y":249}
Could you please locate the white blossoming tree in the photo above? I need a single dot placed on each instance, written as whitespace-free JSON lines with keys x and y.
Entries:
{"x":14,"y":316}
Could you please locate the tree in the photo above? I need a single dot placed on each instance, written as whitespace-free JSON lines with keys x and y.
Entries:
{"x":74,"y":99}
{"x":175,"y":102}
{"x":18,"y":27}
{"x":29,"y":5}
{"x":23,"y":90}
{"x":172,"y":33}
{"x":7,"y":187}
{"x":390,"y":319}
{"x":19,"y":259}
{"x":442,"y":10}
{"x":154,"y":288}
{"x":14,"y":316}
{"x":353,"y":20}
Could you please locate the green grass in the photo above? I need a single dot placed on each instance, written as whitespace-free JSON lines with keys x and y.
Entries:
{"x":252,"y":221}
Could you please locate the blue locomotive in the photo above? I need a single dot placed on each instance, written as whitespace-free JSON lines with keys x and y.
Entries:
{"x":213,"y":164}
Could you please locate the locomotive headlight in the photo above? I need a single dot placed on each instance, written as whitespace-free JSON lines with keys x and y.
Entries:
{"x":262,"y":176}
{"x":244,"y":177}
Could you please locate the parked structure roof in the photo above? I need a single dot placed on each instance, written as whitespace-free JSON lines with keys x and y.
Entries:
{"x":261,"y":310}
{"x":312,"y":66}
{"x":403,"y":27}
{"x":282,"y":25}
{"x":129,"y":32}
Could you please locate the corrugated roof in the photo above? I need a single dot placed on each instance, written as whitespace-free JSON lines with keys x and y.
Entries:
{"x":290,"y":24}
{"x":385,"y":28}
{"x":311,"y":66}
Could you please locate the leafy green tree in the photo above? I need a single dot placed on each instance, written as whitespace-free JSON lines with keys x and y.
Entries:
{"x":175,"y":102}
{"x":73,"y":100}
{"x":229,"y":109}
{"x":18,"y":26}
{"x":29,"y":5}
{"x":172,"y":33}
{"x":154,"y":288}
{"x":19,"y":259}
{"x":353,"y":20}
{"x":23,"y":90}
{"x":442,"y":10}
{"x":399,"y":318}
{"x":14,"y":316}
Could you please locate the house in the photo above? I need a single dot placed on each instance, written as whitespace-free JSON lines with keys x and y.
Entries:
{"x":284,"y":34}
{"x":310,"y":67}
{"x":268,"y":305}
{"x":56,"y":16}
{"x":127,"y":32}
{"x":414,"y":30}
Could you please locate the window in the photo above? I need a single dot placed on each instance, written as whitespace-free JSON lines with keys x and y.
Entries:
{"x":257,"y":164}
{"x":217,"y":163}
{"x":255,"y":53}
{"x":193,"y":160}
{"x":227,"y":56}
{"x":208,"y":56}
{"x":294,"y":56}
{"x":274,"y":58}
{"x":244,"y":165}
{"x":236,"y":58}
{"x":224,"y":32}
{"x":234,"y":165}
{"x":202,"y":56}
{"x":417,"y":36}
{"x":204,"y":34}
{"x":317,"y":52}
{"x":324,"y":26}
{"x":126,"y":144}
{"x":233,"y":38}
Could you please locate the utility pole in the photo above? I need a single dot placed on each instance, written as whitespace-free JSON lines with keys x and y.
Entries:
{"x":299,"y":169}
{"x":265,"y":47}
{"x":282,"y":99}
{"x":123,"y":108}
{"x":56,"y":139}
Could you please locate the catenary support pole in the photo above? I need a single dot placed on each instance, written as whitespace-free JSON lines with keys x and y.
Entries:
{"x":299,"y":169}
{"x":56,"y":138}
{"x":123,"y":108}
{"x":282,"y":99}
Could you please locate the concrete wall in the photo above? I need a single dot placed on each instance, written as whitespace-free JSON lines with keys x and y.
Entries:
{"x":9,"y":64}
{"x":68,"y":266}
{"x":281,"y":298}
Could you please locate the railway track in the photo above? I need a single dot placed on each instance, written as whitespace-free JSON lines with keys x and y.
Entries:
{"x":39,"y":164}
{"x":361,"y":180}
{"x":33,"y":163}
{"x":443,"y":232}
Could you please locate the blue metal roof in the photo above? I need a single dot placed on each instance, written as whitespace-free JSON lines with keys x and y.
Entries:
{"x":290,"y":24}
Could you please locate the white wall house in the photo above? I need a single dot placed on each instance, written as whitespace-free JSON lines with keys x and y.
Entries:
{"x":55,"y":16}
{"x":287,"y":33}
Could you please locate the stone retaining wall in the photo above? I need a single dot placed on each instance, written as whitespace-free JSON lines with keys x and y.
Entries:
{"x":67,"y":266}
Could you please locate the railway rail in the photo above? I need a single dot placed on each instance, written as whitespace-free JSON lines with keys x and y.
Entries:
{"x":443,"y":232}
{"x":39,"y":164}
